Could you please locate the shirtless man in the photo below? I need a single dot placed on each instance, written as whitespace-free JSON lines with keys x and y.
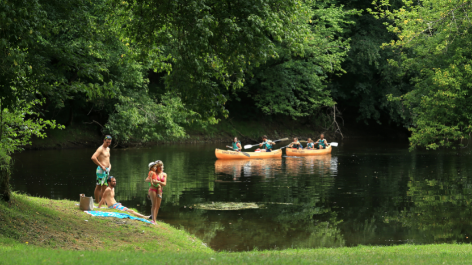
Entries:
{"x":101,"y":158}
{"x":109,"y":199}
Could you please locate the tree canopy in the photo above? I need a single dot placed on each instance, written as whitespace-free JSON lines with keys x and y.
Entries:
{"x":432,"y":44}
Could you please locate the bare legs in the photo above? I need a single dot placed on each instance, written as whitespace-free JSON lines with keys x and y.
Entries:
{"x":135,"y":213}
{"x":153,"y":196}
{"x":157,"y":205}
{"x":98,"y":192}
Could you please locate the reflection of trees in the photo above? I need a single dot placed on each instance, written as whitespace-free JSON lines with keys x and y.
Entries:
{"x":131,"y":170}
{"x":320,"y":226}
{"x":296,"y":214}
{"x":196,"y":222}
{"x":439,"y":208}
{"x":281,"y":226}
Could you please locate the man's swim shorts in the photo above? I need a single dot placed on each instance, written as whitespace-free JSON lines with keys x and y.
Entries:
{"x":118,"y":206}
{"x":102,"y":177}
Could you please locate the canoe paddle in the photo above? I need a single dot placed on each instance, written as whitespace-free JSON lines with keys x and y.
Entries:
{"x":250,"y":146}
{"x":244,"y":153}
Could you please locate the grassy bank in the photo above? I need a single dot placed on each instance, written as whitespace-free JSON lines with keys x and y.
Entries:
{"x":37,"y":230}
{"x":59,"y":224}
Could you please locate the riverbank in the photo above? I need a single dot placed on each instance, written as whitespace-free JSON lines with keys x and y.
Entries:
{"x":34,"y":230}
{"x":80,"y":136}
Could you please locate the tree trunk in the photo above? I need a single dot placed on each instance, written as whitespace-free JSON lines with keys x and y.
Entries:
{"x":5,"y":183}
{"x":4,"y":165}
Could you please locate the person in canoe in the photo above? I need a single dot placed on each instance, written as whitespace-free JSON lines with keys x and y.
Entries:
{"x":266,"y":144}
{"x":296,"y":144}
{"x":310,"y":144}
{"x":236,"y":145}
{"x":322,"y":143}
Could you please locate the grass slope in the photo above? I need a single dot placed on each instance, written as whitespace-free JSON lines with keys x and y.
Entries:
{"x":59,"y":224}
{"x":43,"y":231}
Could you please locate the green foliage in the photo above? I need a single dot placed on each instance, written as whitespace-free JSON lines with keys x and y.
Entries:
{"x":294,"y":84}
{"x":17,"y":126}
{"x":214,"y":43}
{"x":437,"y":33}
{"x":138,"y":118}
{"x":369,"y":77}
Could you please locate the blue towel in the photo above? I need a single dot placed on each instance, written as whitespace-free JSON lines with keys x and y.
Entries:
{"x":117,"y":215}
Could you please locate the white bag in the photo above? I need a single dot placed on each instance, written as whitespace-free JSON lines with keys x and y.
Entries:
{"x":86,"y":203}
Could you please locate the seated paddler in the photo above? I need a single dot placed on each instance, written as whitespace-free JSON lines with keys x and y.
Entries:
{"x":296,"y":144}
{"x":236,"y":144}
{"x":310,"y":144}
{"x":266,"y":144}
{"x":322,"y":143}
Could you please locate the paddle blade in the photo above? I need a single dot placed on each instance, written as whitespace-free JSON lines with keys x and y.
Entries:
{"x":284,"y":139}
{"x":247,"y":146}
{"x":334,"y":144}
{"x":246,"y":154}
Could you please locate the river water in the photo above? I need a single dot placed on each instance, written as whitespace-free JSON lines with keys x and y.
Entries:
{"x":365,"y":192}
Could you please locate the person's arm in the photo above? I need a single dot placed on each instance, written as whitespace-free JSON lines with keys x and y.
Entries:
{"x":239,"y":146}
{"x":103,"y":200}
{"x":95,"y":158}
{"x":148,"y":179}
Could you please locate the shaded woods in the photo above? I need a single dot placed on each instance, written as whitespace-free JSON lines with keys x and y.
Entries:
{"x":143,"y":71}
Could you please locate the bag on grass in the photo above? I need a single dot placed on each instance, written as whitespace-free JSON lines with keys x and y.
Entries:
{"x":86,"y":203}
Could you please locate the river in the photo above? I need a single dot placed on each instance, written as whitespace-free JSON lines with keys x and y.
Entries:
{"x":365,"y":192}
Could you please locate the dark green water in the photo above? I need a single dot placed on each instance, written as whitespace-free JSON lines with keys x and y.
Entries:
{"x":365,"y":192}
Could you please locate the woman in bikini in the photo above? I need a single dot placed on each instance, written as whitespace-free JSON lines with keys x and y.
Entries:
{"x":158,"y":180}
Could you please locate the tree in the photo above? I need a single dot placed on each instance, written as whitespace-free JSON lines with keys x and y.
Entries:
{"x":294,"y":84}
{"x":215,"y":43}
{"x":369,"y":78}
{"x":17,"y":126}
{"x":437,"y":34}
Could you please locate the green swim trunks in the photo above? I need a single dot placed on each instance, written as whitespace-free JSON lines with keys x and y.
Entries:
{"x":102,"y":176}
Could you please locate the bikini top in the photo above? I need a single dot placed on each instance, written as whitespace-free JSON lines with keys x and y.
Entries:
{"x":161,"y":179}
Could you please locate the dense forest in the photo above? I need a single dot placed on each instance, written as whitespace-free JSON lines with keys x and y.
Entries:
{"x":145,"y":69}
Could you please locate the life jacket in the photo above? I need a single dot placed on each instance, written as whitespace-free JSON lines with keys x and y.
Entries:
{"x":310,"y":145}
{"x":235,"y":145}
{"x":267,"y":145}
{"x":297,"y":145}
{"x":322,"y":142}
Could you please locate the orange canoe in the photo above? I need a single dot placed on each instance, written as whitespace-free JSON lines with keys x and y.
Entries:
{"x":308,"y":152}
{"x":228,"y":154}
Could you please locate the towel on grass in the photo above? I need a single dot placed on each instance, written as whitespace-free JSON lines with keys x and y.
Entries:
{"x":117,"y":215}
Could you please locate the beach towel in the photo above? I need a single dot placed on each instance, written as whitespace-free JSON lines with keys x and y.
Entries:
{"x":117,"y":215}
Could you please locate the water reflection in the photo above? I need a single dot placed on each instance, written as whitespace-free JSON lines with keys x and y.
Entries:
{"x":371,"y":193}
{"x":311,"y":164}
{"x":267,"y":168}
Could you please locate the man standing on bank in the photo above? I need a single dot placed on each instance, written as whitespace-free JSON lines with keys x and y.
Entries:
{"x":101,"y":158}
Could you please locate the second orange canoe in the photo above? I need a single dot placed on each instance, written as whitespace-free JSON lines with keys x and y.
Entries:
{"x":307,"y":152}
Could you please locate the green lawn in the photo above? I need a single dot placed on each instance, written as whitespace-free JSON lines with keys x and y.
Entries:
{"x":42,"y":231}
